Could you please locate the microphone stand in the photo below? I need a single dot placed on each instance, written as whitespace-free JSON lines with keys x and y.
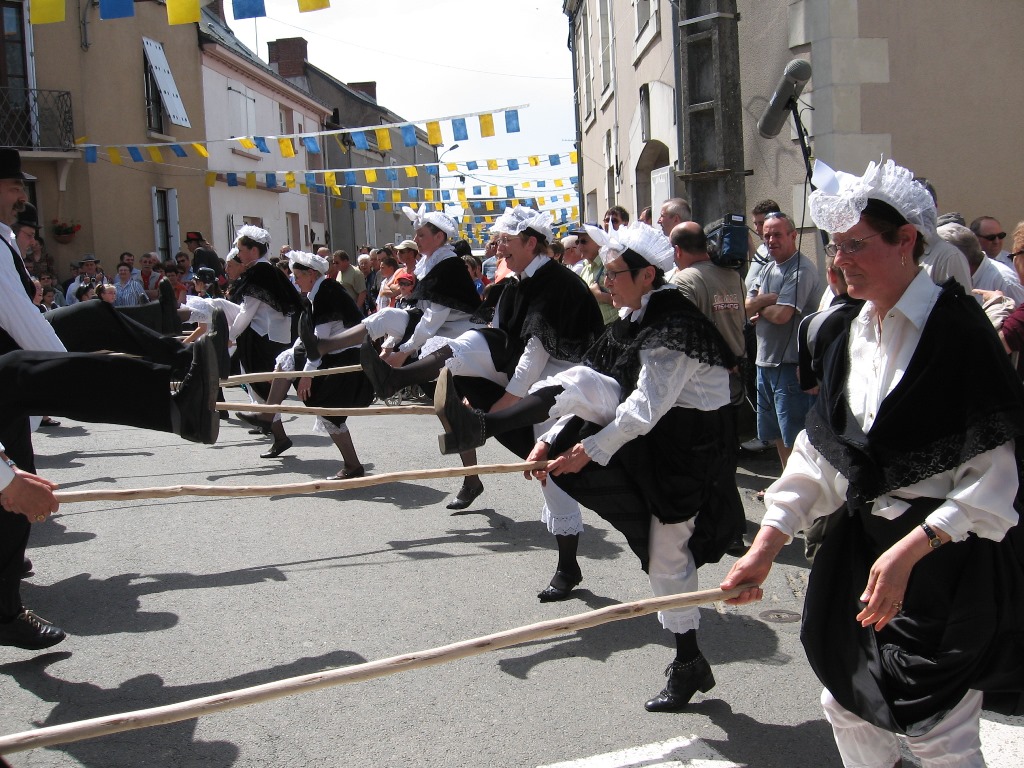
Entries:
{"x":801,"y":133}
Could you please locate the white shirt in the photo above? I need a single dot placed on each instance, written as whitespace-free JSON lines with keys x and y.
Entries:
{"x":978,"y":494}
{"x":994,"y":276}
{"x":322,"y":330}
{"x":434,"y":315}
{"x":667,"y":379}
{"x":18,"y":315}
{"x":263,"y":319}
{"x":533,"y":362}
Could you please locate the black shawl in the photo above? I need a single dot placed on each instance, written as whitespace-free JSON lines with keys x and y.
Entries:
{"x":448,"y":283}
{"x":333,"y":303}
{"x":267,"y":283}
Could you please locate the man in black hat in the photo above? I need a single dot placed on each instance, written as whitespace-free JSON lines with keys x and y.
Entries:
{"x":203,"y":254}
{"x":88,"y":275}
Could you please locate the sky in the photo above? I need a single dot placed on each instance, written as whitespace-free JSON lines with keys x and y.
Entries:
{"x":433,"y":59}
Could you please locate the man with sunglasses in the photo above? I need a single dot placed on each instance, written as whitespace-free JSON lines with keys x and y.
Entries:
{"x":592,"y":271}
{"x":785,"y":291}
{"x":991,"y":236}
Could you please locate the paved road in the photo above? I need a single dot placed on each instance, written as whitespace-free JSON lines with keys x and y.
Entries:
{"x":175,"y":599}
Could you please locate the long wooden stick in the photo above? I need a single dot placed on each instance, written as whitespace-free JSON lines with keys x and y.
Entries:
{"x":315,"y":486}
{"x":379,"y":410}
{"x":187,"y":710}
{"x":248,"y":378}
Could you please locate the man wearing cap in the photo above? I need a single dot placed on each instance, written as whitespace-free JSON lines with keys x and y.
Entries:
{"x":263,"y":329}
{"x":408,"y":253}
{"x":202,"y":254}
{"x":589,"y":244}
{"x":329,"y":310}
{"x":445,"y":298}
{"x":87,"y":276}
{"x":641,"y":437}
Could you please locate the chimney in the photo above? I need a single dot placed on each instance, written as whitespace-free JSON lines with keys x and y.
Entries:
{"x":368,"y":88}
{"x":289,"y":54}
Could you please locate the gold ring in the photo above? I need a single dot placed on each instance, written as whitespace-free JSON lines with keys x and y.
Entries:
{"x":40,"y":518}
{"x":898,"y":606}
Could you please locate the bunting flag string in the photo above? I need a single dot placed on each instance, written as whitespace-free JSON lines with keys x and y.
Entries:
{"x":178,"y":11}
{"x":359,"y":137}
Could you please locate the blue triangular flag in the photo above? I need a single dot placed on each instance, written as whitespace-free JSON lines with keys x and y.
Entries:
{"x":309,"y":142}
{"x":433,"y":170}
{"x":554,"y":159}
{"x":391,"y":174}
{"x":310,"y":179}
{"x":350,"y":178}
{"x":471,"y":165}
{"x":513,"y":164}
{"x":90,"y":153}
{"x":178,"y":150}
{"x":232,"y":179}
{"x":359,"y":139}
{"x":459,"y":129}
{"x":409,"y":135}
{"x":271,"y":180}
{"x":260,"y":142}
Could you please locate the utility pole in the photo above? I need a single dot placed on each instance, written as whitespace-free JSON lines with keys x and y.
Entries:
{"x":710,"y":109}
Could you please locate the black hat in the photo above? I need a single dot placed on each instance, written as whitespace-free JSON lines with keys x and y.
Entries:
{"x":87,"y":257}
{"x":206,"y":274}
{"x":581,"y":229}
{"x":29,"y":217}
{"x":10,"y":165}
{"x":195,"y":235}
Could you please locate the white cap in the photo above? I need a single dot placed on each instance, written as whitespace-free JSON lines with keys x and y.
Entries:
{"x":840,"y":198}
{"x":258,"y":234}
{"x":645,"y":241}
{"x":442,"y":221}
{"x":515,"y":221}
{"x":309,"y":260}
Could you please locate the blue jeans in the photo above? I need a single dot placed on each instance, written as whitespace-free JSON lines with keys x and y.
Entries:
{"x":781,"y":405}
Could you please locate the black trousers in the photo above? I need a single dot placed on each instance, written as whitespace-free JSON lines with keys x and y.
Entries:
{"x":38,"y":383}
{"x":95,"y":326}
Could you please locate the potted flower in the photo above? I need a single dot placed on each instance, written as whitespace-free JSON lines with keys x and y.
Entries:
{"x":64,"y":231}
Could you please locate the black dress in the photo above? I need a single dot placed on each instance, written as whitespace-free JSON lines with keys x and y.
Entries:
{"x":961,"y":626}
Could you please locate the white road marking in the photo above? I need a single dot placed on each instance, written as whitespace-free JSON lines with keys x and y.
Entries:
{"x":683,"y":752}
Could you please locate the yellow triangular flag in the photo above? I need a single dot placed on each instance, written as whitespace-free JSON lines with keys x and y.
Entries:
{"x":534,"y":160}
{"x":526,"y":185}
{"x":289,"y":180}
{"x":341,"y":144}
{"x":250,"y":180}
{"x":486,"y":125}
{"x":335,"y":190}
{"x":364,"y":190}
{"x":396,"y":195}
{"x":540,"y":201}
{"x":493,"y":191}
{"x":200,"y":149}
{"x":451,"y":167}
{"x":46,"y":11}
{"x":574,"y":157}
{"x":330,"y":178}
{"x":434,"y":134}
{"x":183,"y":11}
{"x":559,"y":183}
{"x":114,"y":154}
{"x":383,"y":139}
{"x":428,"y":195}
{"x":492,"y":165}
{"x":462,"y":195}
{"x":211,"y":178}
{"x":305,"y":6}
{"x":362,"y":206}
{"x":371,"y":175}
{"x":154,"y":154}
{"x":286,"y":146}
{"x":490,"y":205}
{"x":246,"y":143}
{"x":388,"y":207}
{"x":410,"y":172}
{"x":303,"y":189}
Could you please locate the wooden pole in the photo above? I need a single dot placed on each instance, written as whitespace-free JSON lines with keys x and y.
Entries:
{"x":314,"y":486}
{"x":380,"y":410}
{"x":187,"y":710}
{"x":248,"y":378}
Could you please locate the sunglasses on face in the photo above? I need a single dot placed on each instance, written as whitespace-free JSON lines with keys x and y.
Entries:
{"x":993,"y":238}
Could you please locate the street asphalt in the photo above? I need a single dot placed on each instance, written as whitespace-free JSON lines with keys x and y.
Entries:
{"x":174,"y":599}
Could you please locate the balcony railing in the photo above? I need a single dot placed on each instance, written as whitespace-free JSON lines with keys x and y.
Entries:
{"x":35,"y":119}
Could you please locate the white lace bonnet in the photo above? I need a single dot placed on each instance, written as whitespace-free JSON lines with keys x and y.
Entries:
{"x":516,"y":220}
{"x":642,"y":239}
{"x":840,"y":198}
{"x":442,"y":221}
{"x":258,"y":234}
{"x":309,"y":260}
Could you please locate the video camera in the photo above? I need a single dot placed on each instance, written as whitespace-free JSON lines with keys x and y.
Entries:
{"x":728,"y":241}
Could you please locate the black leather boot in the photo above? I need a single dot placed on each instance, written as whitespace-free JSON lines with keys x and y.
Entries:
{"x":684,"y":680}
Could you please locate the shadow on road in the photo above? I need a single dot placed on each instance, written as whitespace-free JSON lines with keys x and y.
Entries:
{"x":174,"y":744}
{"x":89,"y":606}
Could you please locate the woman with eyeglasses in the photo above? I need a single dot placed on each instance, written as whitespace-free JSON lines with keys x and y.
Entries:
{"x":913,"y":603}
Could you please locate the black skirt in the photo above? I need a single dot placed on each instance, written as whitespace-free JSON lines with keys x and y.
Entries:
{"x":961,"y":626}
{"x":258,"y":354}
{"x":340,"y":390}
